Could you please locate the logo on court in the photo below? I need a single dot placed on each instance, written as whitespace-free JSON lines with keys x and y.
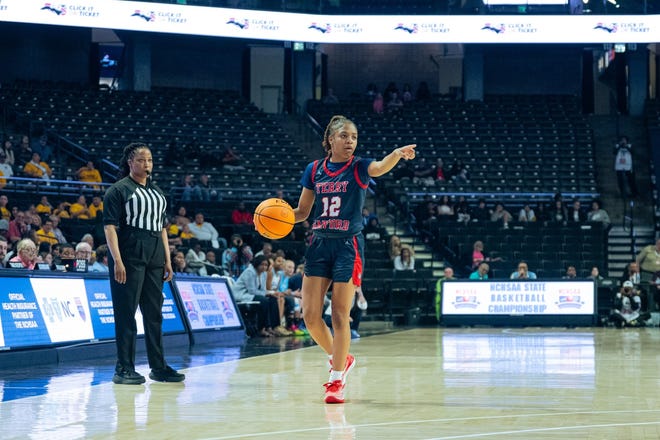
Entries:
{"x":466,"y":302}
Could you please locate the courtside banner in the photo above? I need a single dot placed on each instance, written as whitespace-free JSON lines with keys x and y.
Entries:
{"x":280,"y":26}
{"x":518,"y":298}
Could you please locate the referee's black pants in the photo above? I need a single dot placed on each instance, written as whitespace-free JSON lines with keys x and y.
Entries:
{"x":143,"y":255}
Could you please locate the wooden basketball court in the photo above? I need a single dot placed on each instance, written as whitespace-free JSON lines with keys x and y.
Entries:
{"x":426,"y":383}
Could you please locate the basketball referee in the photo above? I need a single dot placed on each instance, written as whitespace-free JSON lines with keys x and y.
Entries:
{"x":139,"y":263}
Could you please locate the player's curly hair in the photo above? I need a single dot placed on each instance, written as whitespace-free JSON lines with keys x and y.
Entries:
{"x":336,"y":122}
{"x":128,"y":154}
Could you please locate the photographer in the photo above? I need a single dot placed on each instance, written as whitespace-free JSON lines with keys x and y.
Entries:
{"x":623,"y":165}
{"x":627,"y":310}
{"x":237,"y":257}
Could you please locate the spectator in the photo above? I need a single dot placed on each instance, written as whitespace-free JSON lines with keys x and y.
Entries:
{"x":88,"y":173}
{"x":42,"y":147}
{"x":523,"y":273}
{"x":623,"y":165}
{"x":481,"y":213}
{"x":46,"y":234}
{"x":56,"y":229}
{"x":405,"y":260}
{"x":212,"y":267}
{"x":481,"y":273}
{"x":627,"y":311}
{"x":179,"y":263}
{"x":597,"y":214}
{"x":79,"y":208}
{"x":439,"y":173}
{"x":96,"y":207}
{"x":237,"y":257}
{"x":458,"y":172}
{"x":479,"y":256}
{"x":571,"y":273}
{"x":378,"y":104}
{"x":4,"y":229}
{"x":423,"y":92}
{"x":462,"y":211}
{"x":26,"y":255}
{"x":407,"y":95}
{"x":6,"y":170}
{"x":62,"y":210}
{"x":266,"y":250}
{"x":631,"y":273}
{"x":84,"y":252}
{"x":44,"y":207}
{"x":8,"y":151}
{"x":203,"y":190}
{"x":575,"y":213}
{"x":559,"y":213}
{"x":231,"y":160}
{"x":4,"y":210}
{"x":394,"y":249}
{"x":3,"y":249}
{"x":24,"y":151}
{"x":241,"y":216}
{"x":425,"y":173}
{"x":206,"y":232}
{"x":394,"y":104}
{"x":18,"y":228}
{"x":188,"y":185}
{"x":196,"y":258}
{"x":596,"y":276}
{"x":101,"y":263}
{"x":37,"y":168}
{"x":374,"y":232}
{"x":445,"y":209}
{"x":448,"y":274}
{"x":526,"y":214}
{"x":648,"y":261}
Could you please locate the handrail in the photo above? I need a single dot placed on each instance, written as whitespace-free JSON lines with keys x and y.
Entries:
{"x":52,"y":187}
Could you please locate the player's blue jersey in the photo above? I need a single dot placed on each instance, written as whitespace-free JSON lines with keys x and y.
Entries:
{"x":340,"y":190}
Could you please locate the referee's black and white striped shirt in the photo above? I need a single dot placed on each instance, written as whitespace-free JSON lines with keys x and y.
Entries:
{"x":127,"y":203}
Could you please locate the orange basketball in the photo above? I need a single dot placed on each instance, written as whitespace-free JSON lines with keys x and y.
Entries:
{"x":274,"y":218}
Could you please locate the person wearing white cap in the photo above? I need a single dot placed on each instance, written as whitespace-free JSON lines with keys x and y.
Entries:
{"x":627,"y":311}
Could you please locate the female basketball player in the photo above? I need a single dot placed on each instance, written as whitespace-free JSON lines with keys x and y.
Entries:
{"x":336,"y":188}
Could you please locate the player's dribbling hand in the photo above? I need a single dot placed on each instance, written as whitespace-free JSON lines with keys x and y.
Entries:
{"x":407,"y":152}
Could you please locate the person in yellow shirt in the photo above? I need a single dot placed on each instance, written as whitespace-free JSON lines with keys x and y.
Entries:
{"x":44,"y":207}
{"x":46,"y":234}
{"x":186,"y":233}
{"x":79,"y":209}
{"x":89,"y":173}
{"x":62,"y":210}
{"x":96,"y":206}
{"x":37,"y":168}
{"x":4,"y":211}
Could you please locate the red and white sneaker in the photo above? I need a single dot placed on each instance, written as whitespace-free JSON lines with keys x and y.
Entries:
{"x":348,"y":366}
{"x":334,"y":392}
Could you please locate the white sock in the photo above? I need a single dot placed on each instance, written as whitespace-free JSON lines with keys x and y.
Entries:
{"x":335,"y":375}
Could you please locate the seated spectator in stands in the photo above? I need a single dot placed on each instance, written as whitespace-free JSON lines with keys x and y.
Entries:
{"x":439,"y":172}
{"x":481,"y":273}
{"x":84,"y":252}
{"x":26,"y":255}
{"x":196,"y":258}
{"x":203,"y":190}
{"x":237,"y":257}
{"x":424,"y":172}
{"x":405,"y":260}
{"x":445,"y":209}
{"x":526,"y":214}
{"x":212,"y":268}
{"x":18,"y":228}
{"x":206,"y":232}
{"x":6,"y":170}
{"x":42,"y":147}
{"x":230,"y":160}
{"x":241,"y":216}
{"x":394,"y":248}
{"x":96,"y":207}
{"x":24,"y":151}
{"x":46,"y":234}
{"x":8,"y":151}
{"x":266,"y":250}
{"x":374,"y":232}
{"x":4,"y":229}
{"x":479,"y":255}
{"x":179,"y":263}
{"x":462,"y":211}
{"x":423,"y":92}
{"x":523,"y":273}
{"x":559,"y":213}
{"x":575,"y":213}
{"x":4,"y":247}
{"x":62,"y":210}
{"x":251,"y":286}
{"x":366,"y":216}
{"x":389,"y":91}
{"x":631,"y":273}
{"x":596,"y":276}
{"x":627,"y":310}
{"x":330,"y":98}
{"x":101,"y":263}
{"x":187,"y":185}
{"x":44,"y":207}
{"x":394,"y":104}
{"x":481,"y":213}
{"x":56,"y":229}
{"x":186,"y":235}
{"x":44,"y":253}
{"x":571,"y":273}
{"x":62,"y":256}
{"x":598,"y":214}
{"x":5,"y":213}
{"x":378,"y":104}
{"x":37,"y":168}
{"x":501,"y":215}
{"x":79,"y":208}
{"x":448,"y":275}
{"x":89,"y":174}
{"x":89,"y":239}
{"x":458,"y":172}
{"x":407,"y":95}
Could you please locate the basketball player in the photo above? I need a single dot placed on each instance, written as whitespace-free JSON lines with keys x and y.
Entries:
{"x":139,"y":263}
{"x":336,"y":188}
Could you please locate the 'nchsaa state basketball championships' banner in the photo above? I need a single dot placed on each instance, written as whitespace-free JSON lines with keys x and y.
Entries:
{"x":279,"y":26}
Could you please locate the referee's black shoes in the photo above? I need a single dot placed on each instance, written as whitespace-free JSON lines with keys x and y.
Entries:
{"x":128,"y":377}
{"x":167,"y":374}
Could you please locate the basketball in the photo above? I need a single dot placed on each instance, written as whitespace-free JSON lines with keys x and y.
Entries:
{"x":274,"y":218}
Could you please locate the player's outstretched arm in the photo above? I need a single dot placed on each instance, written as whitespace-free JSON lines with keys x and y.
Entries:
{"x":305,"y":204}
{"x":383,"y":166}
